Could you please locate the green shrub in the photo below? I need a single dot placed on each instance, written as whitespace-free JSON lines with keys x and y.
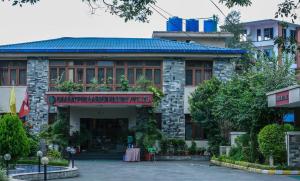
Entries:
{"x":34,"y":161}
{"x":3,"y":176}
{"x":68,"y":86}
{"x":271,"y":141}
{"x":288,"y":127}
{"x":13,"y":137}
{"x":193,"y":148}
{"x":53,"y":154}
{"x":33,"y":140}
{"x":165,"y":146}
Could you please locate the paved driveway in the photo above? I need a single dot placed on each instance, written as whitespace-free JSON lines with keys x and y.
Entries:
{"x":99,"y":170}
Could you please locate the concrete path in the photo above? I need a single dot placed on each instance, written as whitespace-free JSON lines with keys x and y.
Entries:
{"x":99,"y":170}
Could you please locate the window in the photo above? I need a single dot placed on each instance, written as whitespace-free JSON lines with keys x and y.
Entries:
{"x":22,"y":76}
{"x":193,"y":130}
{"x":79,"y":74}
{"x":197,"y":72}
{"x":13,"y":73}
{"x":268,"y":52}
{"x":268,"y":34}
{"x":293,"y":34}
{"x":4,"y":77}
{"x":119,"y":73}
{"x":284,"y":33}
{"x":259,"y":38}
{"x":243,"y":36}
{"x":90,"y":75}
{"x":157,"y":76}
{"x":104,"y":72}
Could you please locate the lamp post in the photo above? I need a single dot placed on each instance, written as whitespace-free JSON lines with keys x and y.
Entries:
{"x":72,"y":151}
{"x":68,"y":149}
{"x":45,"y":162}
{"x":7,"y":158}
{"x":39,"y":154}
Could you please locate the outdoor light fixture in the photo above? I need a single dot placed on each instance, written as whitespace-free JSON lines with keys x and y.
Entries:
{"x":7,"y":158}
{"x":73,"y":152}
{"x":45,"y":162}
{"x":39,"y":154}
{"x":68,"y":149}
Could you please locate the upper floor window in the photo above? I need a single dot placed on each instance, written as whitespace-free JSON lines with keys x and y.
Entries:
{"x":259,"y":37}
{"x":197,"y":72}
{"x":104,"y":72}
{"x":243,"y":36}
{"x":284,"y":33}
{"x":13,"y":73}
{"x":268,"y":34}
{"x":293,"y":34}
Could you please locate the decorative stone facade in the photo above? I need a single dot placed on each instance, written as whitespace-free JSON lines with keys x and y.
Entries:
{"x":37,"y":82}
{"x":223,"y":69}
{"x":293,"y":145}
{"x":172,"y":105}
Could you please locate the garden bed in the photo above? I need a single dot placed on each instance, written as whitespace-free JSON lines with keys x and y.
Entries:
{"x":57,"y":162}
{"x":254,"y":167}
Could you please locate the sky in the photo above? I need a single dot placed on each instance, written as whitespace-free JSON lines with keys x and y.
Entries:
{"x":72,"y":18}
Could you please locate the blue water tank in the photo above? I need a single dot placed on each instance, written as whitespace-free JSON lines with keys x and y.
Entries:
{"x":192,"y":25}
{"x":210,"y":26}
{"x":174,"y":24}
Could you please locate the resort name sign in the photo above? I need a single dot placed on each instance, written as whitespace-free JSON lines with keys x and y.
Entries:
{"x":69,"y":99}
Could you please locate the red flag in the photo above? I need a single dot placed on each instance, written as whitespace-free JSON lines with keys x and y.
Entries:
{"x":24,"y":110}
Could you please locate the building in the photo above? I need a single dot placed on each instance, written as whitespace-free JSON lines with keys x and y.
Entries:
{"x":175,"y":67}
{"x":263,"y":32}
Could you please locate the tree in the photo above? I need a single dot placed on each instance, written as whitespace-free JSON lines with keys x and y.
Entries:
{"x":271,"y":142}
{"x":13,"y":137}
{"x":233,"y":25}
{"x":240,"y":104}
{"x":285,"y":9}
{"x":201,"y":105}
{"x":140,"y":10}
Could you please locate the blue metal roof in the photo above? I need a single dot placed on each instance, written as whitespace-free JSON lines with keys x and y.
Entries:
{"x":113,"y":45}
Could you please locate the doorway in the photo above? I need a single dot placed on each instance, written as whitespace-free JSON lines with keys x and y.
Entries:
{"x":105,"y":135}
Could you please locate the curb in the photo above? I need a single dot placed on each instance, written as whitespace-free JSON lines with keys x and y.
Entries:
{"x":256,"y":170}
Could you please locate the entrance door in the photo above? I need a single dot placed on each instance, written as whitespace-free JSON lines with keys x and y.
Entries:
{"x":105,"y":135}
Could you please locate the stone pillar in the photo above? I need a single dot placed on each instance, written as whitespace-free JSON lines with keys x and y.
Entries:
{"x":293,"y":148}
{"x":172,"y":105}
{"x":223,"y":69}
{"x":37,"y":83}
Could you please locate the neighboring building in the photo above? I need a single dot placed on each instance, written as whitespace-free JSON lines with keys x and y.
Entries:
{"x":262,"y":33}
{"x":216,"y":39}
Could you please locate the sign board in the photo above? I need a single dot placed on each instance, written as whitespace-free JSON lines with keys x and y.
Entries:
{"x":289,"y":118}
{"x":68,"y":99}
{"x":282,"y":98}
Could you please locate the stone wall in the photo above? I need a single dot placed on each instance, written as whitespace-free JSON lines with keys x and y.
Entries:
{"x":37,"y":82}
{"x":172,"y":105}
{"x":223,"y":69}
{"x":293,"y":145}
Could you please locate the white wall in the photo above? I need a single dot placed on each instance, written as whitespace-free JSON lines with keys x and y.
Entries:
{"x":5,"y":94}
{"x":199,"y":144}
{"x":101,"y":113}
